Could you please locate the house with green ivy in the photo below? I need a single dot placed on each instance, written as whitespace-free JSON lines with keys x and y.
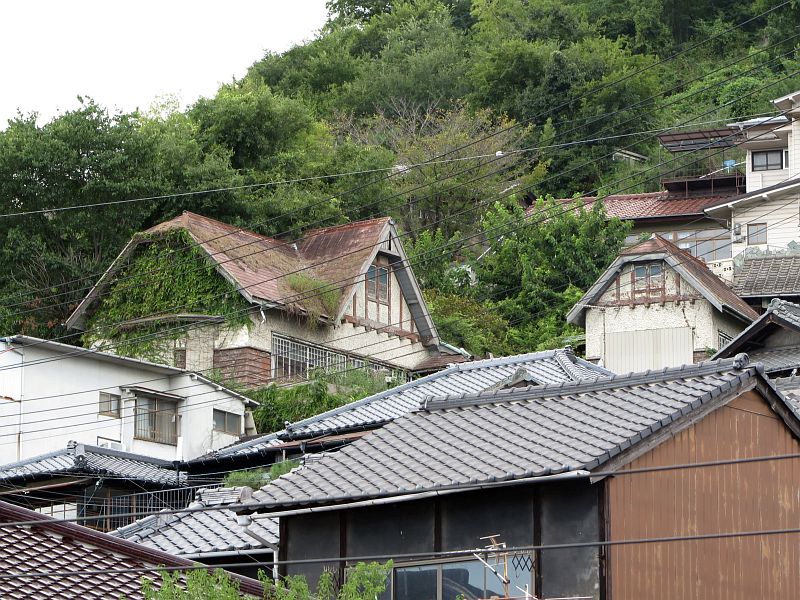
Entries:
{"x":213,"y":298}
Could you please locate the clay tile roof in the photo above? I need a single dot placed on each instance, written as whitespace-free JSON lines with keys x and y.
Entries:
{"x":89,"y":563}
{"x":652,"y":205}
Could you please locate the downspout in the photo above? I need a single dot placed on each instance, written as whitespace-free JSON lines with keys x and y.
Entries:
{"x":20,"y":412}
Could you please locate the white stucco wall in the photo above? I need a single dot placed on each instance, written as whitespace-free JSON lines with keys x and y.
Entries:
{"x":57,"y":401}
{"x":692,"y":311}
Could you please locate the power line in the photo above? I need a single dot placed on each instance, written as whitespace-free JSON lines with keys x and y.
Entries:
{"x":597,"y":118}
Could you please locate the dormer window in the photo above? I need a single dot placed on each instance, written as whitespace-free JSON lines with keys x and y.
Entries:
{"x":648,"y":279}
{"x":378,"y":282}
{"x":768,"y":160}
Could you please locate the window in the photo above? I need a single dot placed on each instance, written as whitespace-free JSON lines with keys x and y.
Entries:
{"x":709,"y":245}
{"x":227,"y":422}
{"x":785,"y":159}
{"x":648,"y":279}
{"x":156,"y":420}
{"x":768,"y":160}
{"x":756,"y":233}
{"x":723,"y":339}
{"x":109,"y":404}
{"x":378,"y":283}
{"x":292,"y":359}
{"x":469,"y":579}
{"x":179,"y":358}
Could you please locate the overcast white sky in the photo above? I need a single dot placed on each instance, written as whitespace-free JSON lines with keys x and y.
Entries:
{"x":126,"y":53}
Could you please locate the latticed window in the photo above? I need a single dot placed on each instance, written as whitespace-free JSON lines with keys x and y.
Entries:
{"x":292,"y":359}
{"x":378,"y":283}
{"x":156,"y":420}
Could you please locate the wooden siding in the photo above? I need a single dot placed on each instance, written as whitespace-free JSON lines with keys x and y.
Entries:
{"x":744,"y":497}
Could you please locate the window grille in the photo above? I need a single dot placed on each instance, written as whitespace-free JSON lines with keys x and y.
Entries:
{"x":292,"y":359}
{"x":156,"y":420}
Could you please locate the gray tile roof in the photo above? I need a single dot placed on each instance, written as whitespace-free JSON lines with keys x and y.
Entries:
{"x":93,"y":460}
{"x":194,"y":534}
{"x":768,"y":276}
{"x":780,"y":315}
{"x":790,"y":388}
{"x":552,"y":366}
{"x":776,"y":359}
{"x":507,"y":434}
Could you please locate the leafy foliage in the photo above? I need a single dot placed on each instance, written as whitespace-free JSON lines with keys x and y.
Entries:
{"x":324,"y":392}
{"x":364,"y":581}
{"x":168,"y":276}
{"x":198,"y":584}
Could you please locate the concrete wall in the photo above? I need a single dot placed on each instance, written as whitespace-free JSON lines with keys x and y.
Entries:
{"x":50,"y":403}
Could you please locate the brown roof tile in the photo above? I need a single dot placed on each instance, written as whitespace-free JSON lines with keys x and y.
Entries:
{"x":70,"y":548}
{"x":652,"y":205}
{"x":260,"y":264}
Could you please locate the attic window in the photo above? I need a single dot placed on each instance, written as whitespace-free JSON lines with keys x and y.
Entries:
{"x":378,"y":283}
{"x":648,"y":279}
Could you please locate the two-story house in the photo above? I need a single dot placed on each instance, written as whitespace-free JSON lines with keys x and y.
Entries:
{"x":52,"y":394}
{"x":658,"y":306}
{"x":764,"y":222}
{"x":340,"y":297}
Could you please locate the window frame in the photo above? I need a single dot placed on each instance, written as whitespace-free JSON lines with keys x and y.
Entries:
{"x":648,"y":285}
{"x":374,"y":290}
{"x":768,"y":166}
{"x":723,"y":339}
{"x":762,"y":229}
{"x":152,"y":433}
{"x":227,"y":415}
{"x":109,"y":401}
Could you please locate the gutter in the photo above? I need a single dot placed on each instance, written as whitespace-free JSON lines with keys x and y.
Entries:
{"x":226,"y":553}
{"x":413,"y":496}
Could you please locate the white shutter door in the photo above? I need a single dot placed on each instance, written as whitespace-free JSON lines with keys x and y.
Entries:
{"x":648,"y":349}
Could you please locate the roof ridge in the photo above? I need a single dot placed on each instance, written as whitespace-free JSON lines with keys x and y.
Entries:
{"x":739,"y":362}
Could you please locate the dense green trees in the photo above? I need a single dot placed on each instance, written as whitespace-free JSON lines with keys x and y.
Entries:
{"x":387,"y":84}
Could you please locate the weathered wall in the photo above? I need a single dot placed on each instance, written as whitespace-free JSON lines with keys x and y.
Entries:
{"x":743,"y":497}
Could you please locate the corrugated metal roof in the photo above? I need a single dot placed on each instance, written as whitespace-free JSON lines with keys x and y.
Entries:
{"x":509,"y":434}
{"x":551,"y":366}
{"x":197,"y":533}
{"x":81,"y":459}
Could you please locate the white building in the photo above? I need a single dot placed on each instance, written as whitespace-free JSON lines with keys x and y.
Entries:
{"x":765,"y":221}
{"x":657,"y":306}
{"x":52,"y":393}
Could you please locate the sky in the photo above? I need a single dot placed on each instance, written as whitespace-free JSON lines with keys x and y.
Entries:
{"x":125,"y":54}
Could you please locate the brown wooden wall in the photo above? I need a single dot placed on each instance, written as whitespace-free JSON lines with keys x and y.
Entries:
{"x":247,"y":366}
{"x":740,"y":497}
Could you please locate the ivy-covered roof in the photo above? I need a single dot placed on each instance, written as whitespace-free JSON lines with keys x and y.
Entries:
{"x":281,"y":274}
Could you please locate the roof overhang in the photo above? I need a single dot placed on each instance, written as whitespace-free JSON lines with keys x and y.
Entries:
{"x":764,"y":194}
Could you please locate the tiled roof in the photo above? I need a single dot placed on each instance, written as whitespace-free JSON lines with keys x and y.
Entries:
{"x":194,"y":534}
{"x":777,"y":359}
{"x":259,"y":264}
{"x":790,"y":388}
{"x":552,"y":366}
{"x":67,"y":547}
{"x":507,"y":435}
{"x":689,"y":267}
{"x":651,"y":205}
{"x":780,"y":315}
{"x":754,"y":195}
{"x":93,"y":460}
{"x":768,"y":276}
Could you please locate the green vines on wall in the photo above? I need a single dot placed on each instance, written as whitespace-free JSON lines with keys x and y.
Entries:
{"x":166,"y":277}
